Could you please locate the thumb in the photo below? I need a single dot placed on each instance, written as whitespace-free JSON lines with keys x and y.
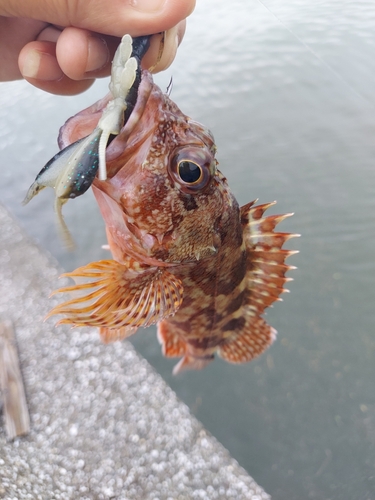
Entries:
{"x":115,"y":18}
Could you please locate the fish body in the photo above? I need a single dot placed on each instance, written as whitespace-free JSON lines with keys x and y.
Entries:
{"x":185,"y":255}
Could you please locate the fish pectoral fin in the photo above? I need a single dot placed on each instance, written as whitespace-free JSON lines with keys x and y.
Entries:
{"x":122,"y":295}
{"x":172,"y":344}
{"x":246,"y":334}
{"x":192,"y":363}
{"x":246,"y":337}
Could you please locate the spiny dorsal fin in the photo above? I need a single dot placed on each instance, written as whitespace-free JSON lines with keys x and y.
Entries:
{"x":120,"y":295}
{"x":246,"y":333}
{"x":265,"y":257}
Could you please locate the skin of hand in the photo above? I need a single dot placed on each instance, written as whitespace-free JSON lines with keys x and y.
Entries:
{"x":61,"y":46}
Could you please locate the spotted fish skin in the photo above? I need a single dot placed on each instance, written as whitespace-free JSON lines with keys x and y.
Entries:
{"x":185,"y":255}
{"x":227,"y":294}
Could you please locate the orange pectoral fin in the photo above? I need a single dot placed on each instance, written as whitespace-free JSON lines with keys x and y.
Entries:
{"x":120,"y":296}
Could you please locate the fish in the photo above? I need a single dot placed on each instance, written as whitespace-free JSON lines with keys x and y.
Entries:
{"x":185,"y":255}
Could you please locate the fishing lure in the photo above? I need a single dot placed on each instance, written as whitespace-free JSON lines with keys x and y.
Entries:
{"x":72,"y":171}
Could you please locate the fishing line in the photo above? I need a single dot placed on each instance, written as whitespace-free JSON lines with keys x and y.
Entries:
{"x":312,"y":51}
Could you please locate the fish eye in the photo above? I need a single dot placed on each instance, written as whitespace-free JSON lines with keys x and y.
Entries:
{"x":189,"y":171}
{"x":192,"y":168}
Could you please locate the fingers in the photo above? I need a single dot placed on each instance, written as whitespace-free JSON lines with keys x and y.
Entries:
{"x":39,"y":66}
{"x":153,"y":60}
{"x":82,"y":54}
{"x":92,"y":52}
{"x":13,"y":33}
{"x":136,"y":18}
{"x":141,"y":17}
{"x":67,"y":62}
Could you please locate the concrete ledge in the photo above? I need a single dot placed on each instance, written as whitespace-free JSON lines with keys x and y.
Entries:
{"x":103,"y":423}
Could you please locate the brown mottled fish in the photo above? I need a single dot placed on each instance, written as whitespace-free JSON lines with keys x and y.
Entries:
{"x":185,"y":255}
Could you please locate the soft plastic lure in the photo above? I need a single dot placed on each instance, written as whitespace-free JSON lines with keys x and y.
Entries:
{"x":72,"y":171}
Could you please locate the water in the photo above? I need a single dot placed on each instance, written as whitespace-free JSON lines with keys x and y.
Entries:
{"x":288,"y":90}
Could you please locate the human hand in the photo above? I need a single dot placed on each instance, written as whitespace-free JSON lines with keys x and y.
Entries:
{"x":62,"y":46}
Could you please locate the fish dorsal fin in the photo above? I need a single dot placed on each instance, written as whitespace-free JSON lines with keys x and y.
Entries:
{"x":119,"y":295}
{"x":266,"y":267}
{"x":246,"y":333}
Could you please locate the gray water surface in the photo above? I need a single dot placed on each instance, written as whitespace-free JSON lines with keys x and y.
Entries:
{"x":288,"y":89}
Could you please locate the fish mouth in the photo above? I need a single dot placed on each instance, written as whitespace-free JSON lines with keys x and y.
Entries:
{"x":83,"y":123}
{"x":120,"y":143}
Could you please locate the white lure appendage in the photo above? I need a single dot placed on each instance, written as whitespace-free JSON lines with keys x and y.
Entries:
{"x":123,"y":74}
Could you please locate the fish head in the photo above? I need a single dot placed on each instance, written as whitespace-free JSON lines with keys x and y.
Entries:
{"x":164,"y":198}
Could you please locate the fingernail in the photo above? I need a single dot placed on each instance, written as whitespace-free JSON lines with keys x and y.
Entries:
{"x":41,"y":66}
{"x":171,"y":42}
{"x":31,"y":65}
{"x":147,"y":5}
{"x":170,"y":52}
{"x":98,"y":54}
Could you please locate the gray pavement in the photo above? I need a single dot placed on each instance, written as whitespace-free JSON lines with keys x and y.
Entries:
{"x":104,"y":425}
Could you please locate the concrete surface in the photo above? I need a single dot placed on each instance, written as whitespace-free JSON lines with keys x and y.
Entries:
{"x":103,"y":423}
